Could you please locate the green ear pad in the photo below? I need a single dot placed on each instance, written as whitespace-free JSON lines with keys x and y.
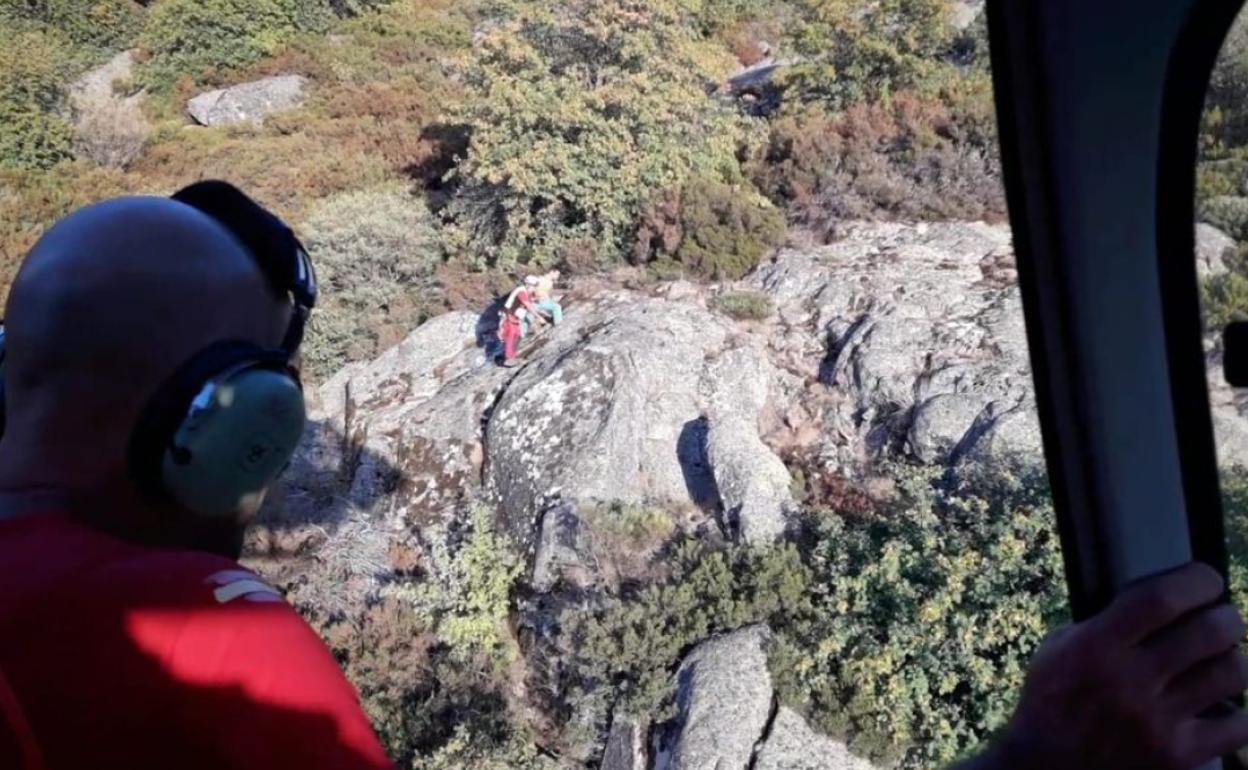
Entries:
{"x":239,"y":436}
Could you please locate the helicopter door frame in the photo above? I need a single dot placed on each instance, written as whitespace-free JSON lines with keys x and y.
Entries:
{"x":1099,"y":107}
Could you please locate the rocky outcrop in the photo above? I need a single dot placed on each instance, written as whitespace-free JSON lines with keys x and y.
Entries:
{"x":792,"y":745}
{"x":612,"y":409}
{"x":921,"y":334}
{"x":626,"y":747}
{"x":1214,"y":249}
{"x":728,"y":719}
{"x":98,"y":84}
{"x":248,"y":102}
{"x":109,"y":125}
{"x":966,"y":12}
{"x":724,"y":701}
{"x":404,"y":432}
{"x":896,"y":340}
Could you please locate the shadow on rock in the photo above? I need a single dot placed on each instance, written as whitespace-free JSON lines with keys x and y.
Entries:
{"x":315,"y":496}
{"x":691,"y":453}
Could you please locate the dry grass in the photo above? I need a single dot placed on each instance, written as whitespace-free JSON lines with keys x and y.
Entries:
{"x":110,"y":131}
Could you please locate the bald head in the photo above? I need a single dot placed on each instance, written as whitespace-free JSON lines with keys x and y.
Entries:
{"x":106,"y":306}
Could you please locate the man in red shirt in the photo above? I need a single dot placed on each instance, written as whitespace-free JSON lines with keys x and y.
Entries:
{"x":144,"y":335}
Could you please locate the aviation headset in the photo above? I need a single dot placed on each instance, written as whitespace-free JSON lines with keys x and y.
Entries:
{"x":226,"y":423}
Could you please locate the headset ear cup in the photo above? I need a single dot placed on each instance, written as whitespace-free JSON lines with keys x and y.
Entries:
{"x":235,"y":441}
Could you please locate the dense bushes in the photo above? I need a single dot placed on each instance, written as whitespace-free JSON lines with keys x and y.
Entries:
{"x":1225,"y":300}
{"x":630,"y":648}
{"x":203,"y":39}
{"x":728,"y":229}
{"x":905,"y":629}
{"x":459,"y":715}
{"x":1227,"y":124}
{"x":194,"y":39}
{"x":912,"y":157}
{"x":925,"y":617}
{"x":566,"y":127}
{"x":863,"y":50}
{"x":712,"y":229}
{"x":375,"y":251}
{"x":577,"y":115}
{"x":91,"y":28}
{"x":33,"y":73}
{"x":1235,"y":502}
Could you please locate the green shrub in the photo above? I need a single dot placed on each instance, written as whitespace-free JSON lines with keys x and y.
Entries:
{"x":745,"y":305}
{"x":101,"y":25}
{"x":925,"y":617}
{"x":1228,"y":90}
{"x":459,"y":714}
{"x":856,"y":50}
{"x":1235,"y":502}
{"x":1228,"y":213}
{"x":577,"y":113}
{"x":627,"y":651}
{"x":1225,"y":300}
{"x":198,"y":38}
{"x":375,"y":252}
{"x":468,"y":748}
{"x":33,"y":73}
{"x":712,"y":229}
{"x":727,"y":229}
{"x":470,"y":603}
{"x":1226,"y":177}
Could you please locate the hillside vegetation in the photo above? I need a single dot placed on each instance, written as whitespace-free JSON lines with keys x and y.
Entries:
{"x":509,"y":135}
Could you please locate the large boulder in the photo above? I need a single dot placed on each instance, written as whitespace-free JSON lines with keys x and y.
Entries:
{"x":792,"y":745}
{"x":612,"y":410}
{"x":1214,"y":251}
{"x":724,"y":701}
{"x":248,"y":102}
{"x":403,"y":432}
{"x":753,"y":483}
{"x":97,"y":84}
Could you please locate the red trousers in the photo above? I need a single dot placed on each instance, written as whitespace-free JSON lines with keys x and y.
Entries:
{"x":510,"y":331}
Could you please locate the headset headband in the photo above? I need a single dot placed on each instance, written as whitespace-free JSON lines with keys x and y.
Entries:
{"x":280,"y":255}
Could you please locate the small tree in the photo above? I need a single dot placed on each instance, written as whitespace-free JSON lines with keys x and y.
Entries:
{"x":579,"y":113}
{"x":856,"y":50}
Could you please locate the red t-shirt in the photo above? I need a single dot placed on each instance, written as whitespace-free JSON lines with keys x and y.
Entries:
{"x":120,"y":656}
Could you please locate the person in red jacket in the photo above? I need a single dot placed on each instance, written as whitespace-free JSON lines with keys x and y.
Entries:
{"x":149,"y":395}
